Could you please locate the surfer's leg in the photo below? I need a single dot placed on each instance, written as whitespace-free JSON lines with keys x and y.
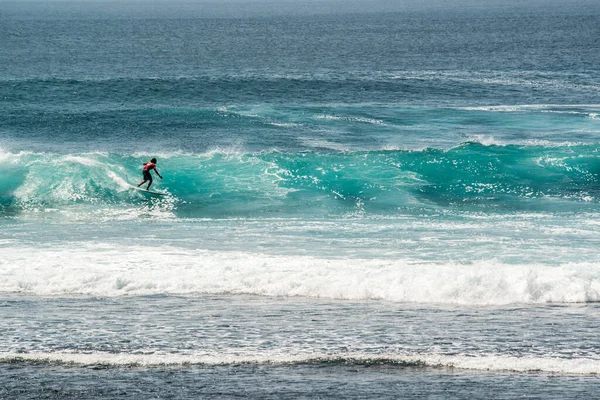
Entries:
{"x":149,"y":183}
{"x":147,"y":177}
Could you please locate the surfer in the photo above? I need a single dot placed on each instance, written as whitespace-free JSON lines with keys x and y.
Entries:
{"x":149,"y":166}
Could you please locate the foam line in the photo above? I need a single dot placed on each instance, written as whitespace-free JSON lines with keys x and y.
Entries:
{"x":496,"y":363}
{"x":116,"y":270}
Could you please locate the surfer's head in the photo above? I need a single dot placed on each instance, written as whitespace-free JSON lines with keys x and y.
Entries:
{"x":153,"y":160}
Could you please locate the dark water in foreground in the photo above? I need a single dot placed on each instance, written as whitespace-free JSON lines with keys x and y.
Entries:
{"x":285,"y":382}
{"x":177,"y":347}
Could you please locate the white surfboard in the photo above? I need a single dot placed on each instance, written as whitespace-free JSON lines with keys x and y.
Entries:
{"x":148,"y":191}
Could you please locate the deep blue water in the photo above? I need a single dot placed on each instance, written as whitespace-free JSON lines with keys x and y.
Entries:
{"x":384,"y":192}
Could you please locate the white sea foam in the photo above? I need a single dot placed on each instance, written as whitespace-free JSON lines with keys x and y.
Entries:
{"x":13,"y":158}
{"x":488,"y":140}
{"x":159,"y":155}
{"x":284,"y":124}
{"x":586,"y":366}
{"x":485,"y":140}
{"x":494,"y":108}
{"x":114,"y":270}
{"x":548,"y":108}
{"x":5,"y":155}
{"x":86,"y":161}
{"x":352,"y":119}
{"x":493,"y":78}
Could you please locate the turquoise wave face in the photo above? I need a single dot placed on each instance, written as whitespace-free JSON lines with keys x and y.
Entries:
{"x":471,"y":176}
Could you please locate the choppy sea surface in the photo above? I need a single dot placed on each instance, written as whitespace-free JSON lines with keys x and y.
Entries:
{"x":362,"y":200}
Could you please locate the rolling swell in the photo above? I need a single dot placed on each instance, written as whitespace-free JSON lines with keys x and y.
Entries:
{"x":275,"y":88}
{"x":232,"y":183}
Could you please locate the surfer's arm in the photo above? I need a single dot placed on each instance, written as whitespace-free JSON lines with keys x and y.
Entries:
{"x":159,"y":175}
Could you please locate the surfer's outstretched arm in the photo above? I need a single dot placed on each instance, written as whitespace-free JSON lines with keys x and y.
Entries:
{"x":159,"y":175}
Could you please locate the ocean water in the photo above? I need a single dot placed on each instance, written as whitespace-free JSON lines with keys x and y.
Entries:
{"x":362,"y":199}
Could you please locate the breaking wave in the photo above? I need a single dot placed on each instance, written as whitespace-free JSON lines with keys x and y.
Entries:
{"x":498,"y":363}
{"x":233,"y":183}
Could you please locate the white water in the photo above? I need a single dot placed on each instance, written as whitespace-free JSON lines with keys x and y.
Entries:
{"x":115,"y":270}
{"x":482,"y":363}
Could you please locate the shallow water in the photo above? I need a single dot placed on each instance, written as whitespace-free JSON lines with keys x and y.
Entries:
{"x":229,"y":346}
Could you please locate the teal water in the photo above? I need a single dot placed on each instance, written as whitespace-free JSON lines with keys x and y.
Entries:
{"x":469,"y":177}
{"x":405,"y":192}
